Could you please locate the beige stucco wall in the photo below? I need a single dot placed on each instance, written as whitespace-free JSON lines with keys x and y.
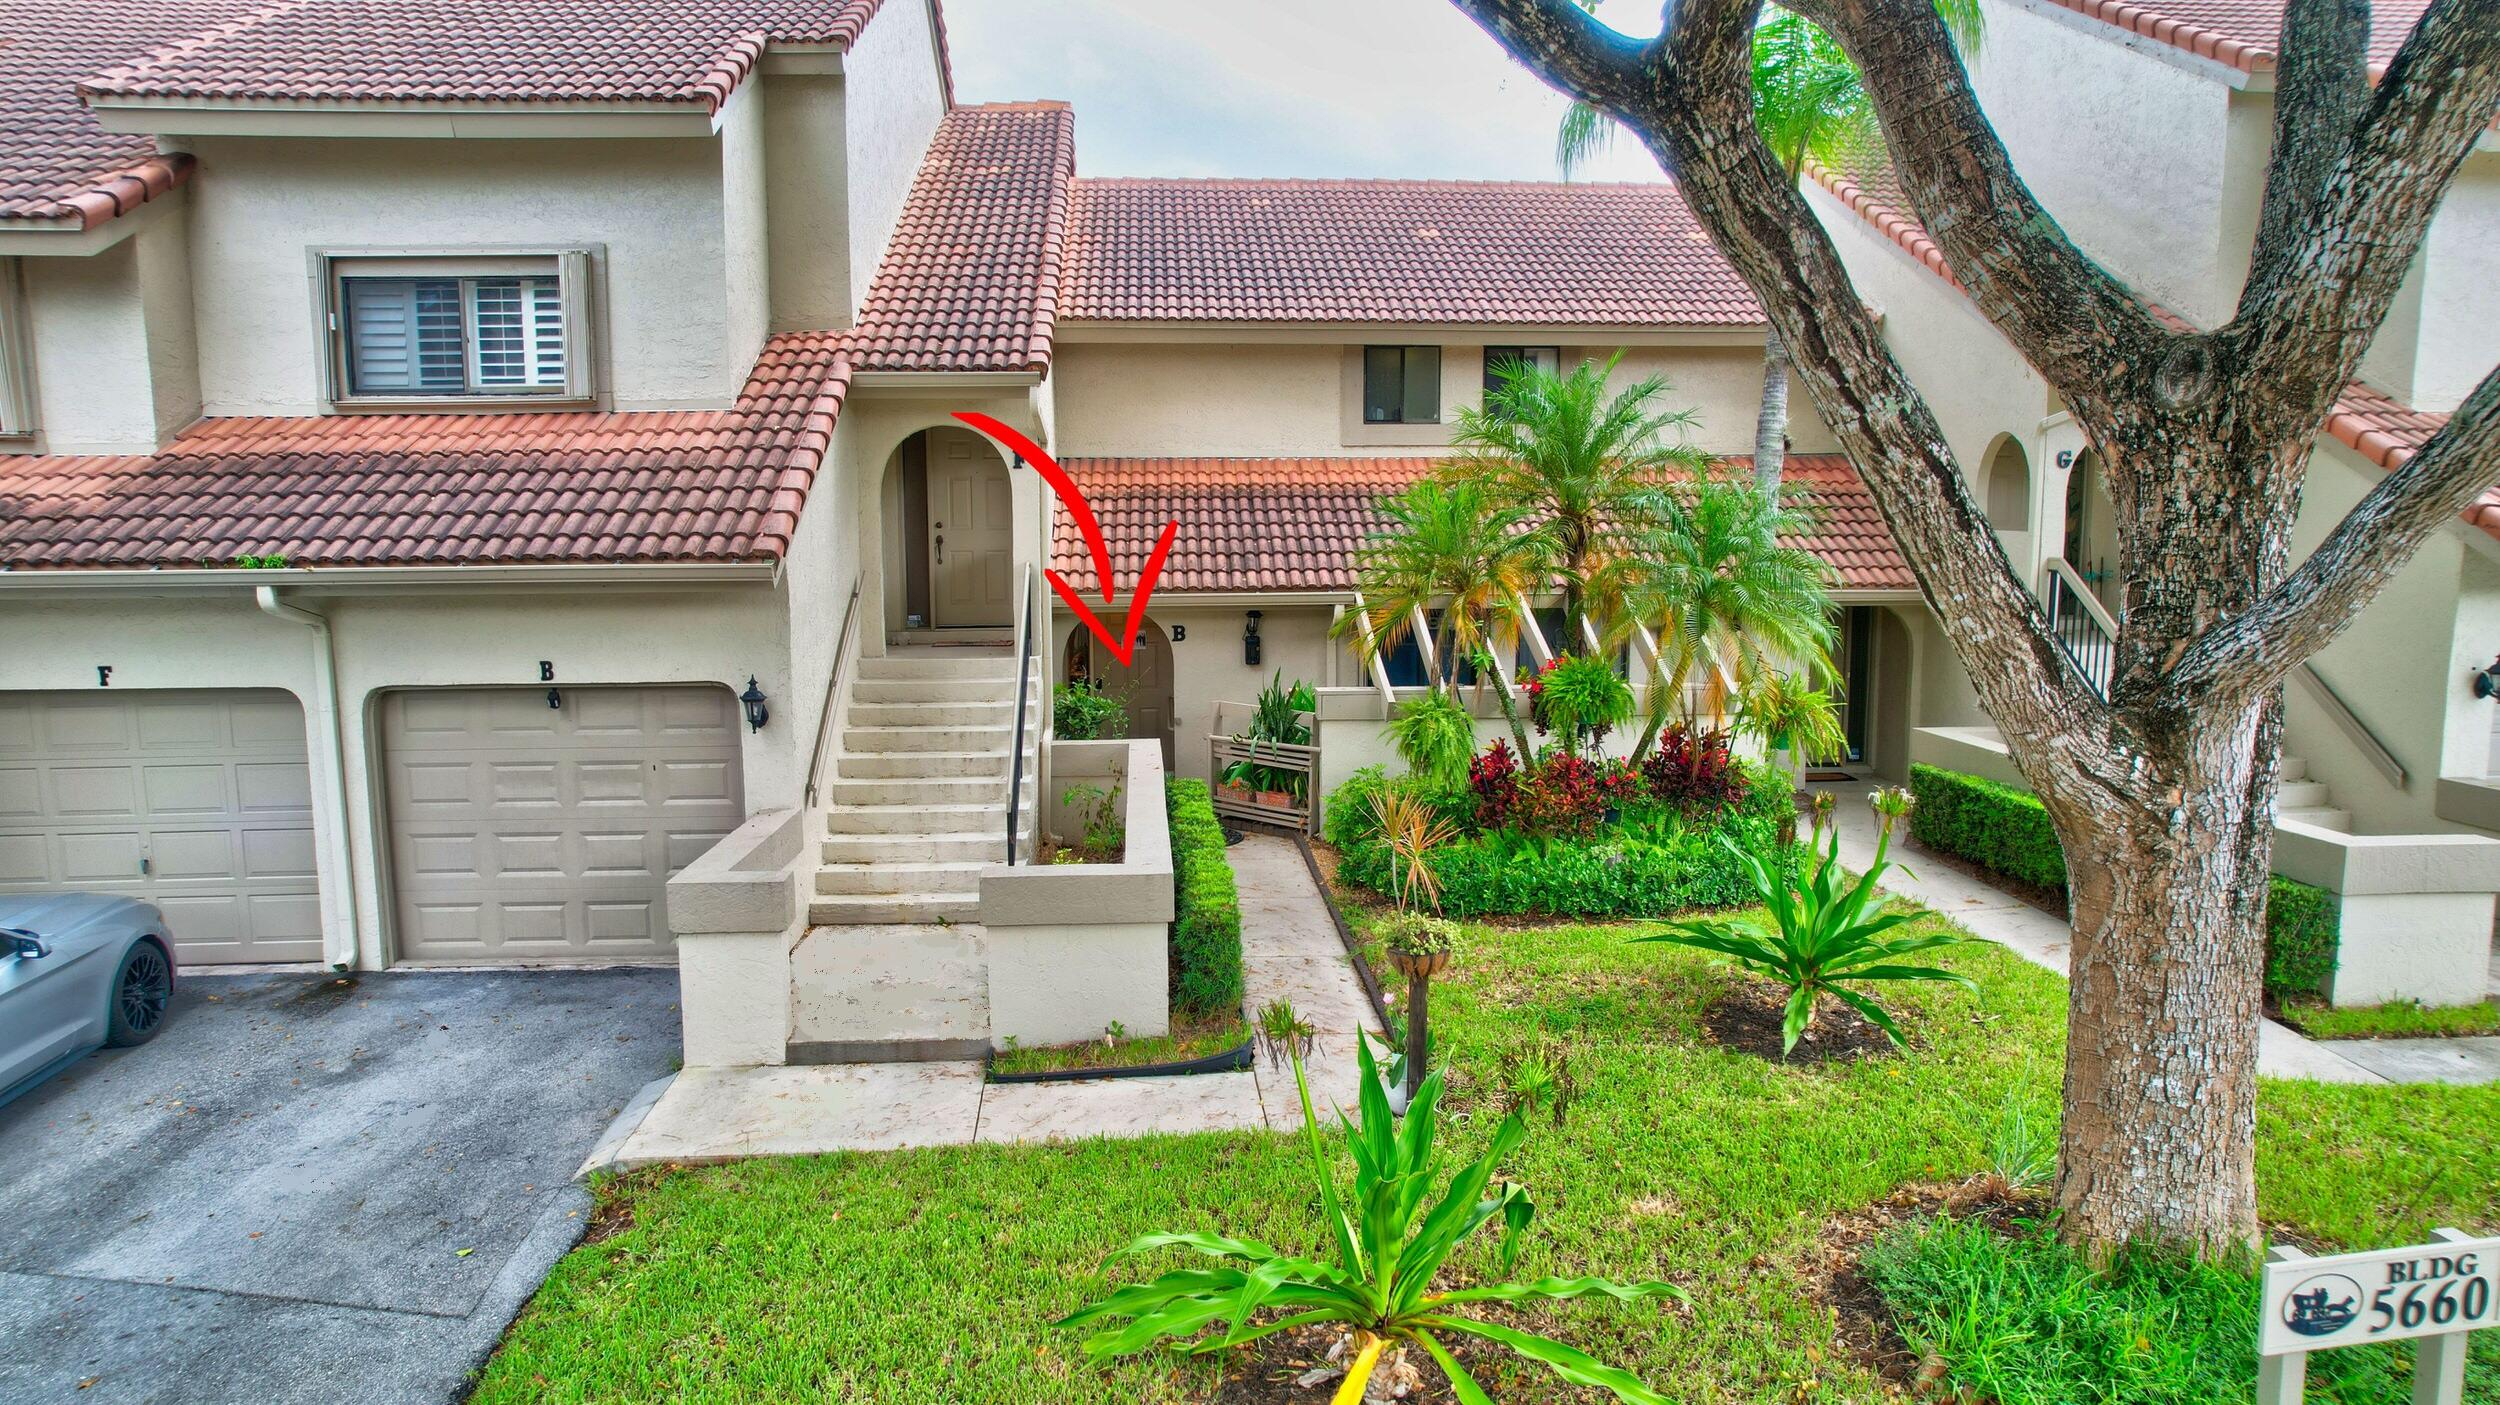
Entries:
{"x":661,"y":312}
{"x":1264,"y":398}
{"x":2457,"y":332}
{"x":891,"y":103}
{"x":746,"y":247}
{"x":110,"y":334}
{"x":1206,"y":661}
{"x":807,"y":201}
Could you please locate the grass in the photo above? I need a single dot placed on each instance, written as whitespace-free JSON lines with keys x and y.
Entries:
{"x":1193,"y":1036}
{"x":2398,"y":1019}
{"x":934,"y":1275}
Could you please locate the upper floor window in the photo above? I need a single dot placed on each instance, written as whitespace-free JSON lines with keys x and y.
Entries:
{"x":460,"y":327}
{"x":1503,"y":361}
{"x":1401,"y":385}
{"x":17,"y":382}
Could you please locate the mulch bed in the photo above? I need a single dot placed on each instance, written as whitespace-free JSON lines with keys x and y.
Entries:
{"x":1862,"y":1320}
{"x":1266,"y":1372}
{"x":1747,"y":1019}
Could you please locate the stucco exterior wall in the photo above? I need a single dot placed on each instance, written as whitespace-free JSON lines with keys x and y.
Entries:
{"x":2457,"y":339}
{"x":746,"y":246}
{"x":116,"y":365}
{"x":806,"y":164}
{"x":612,"y":635}
{"x":1207,"y":667}
{"x":892,"y":102}
{"x":1278,"y":398}
{"x":660,"y":314}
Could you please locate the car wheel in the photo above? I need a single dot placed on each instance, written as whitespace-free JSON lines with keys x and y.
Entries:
{"x":140,"y":994}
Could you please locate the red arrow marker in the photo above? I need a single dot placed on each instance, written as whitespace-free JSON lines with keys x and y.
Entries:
{"x":1123,"y":648}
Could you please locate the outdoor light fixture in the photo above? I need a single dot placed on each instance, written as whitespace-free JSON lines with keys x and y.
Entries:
{"x":1250,"y":640}
{"x":757,"y":713}
{"x":2487,"y":680}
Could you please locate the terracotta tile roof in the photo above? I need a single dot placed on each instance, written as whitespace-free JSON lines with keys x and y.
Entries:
{"x":1295,"y":524}
{"x":530,"y":51}
{"x":2243,"y":34}
{"x":56,"y":164}
{"x":970,"y":280}
{"x":2374,"y":424}
{"x":1395,"y":251}
{"x":402,"y":490}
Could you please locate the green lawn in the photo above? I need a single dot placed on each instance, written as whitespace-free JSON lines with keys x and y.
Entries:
{"x":932,"y":1276}
{"x":2402,"y":1019}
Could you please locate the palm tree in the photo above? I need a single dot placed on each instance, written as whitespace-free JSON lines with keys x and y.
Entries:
{"x":1724,"y":593}
{"x":1809,"y":103}
{"x":1593,"y":469}
{"x":1456,"y":548}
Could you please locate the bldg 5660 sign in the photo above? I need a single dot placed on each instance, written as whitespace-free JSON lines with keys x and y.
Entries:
{"x":2383,"y":1295}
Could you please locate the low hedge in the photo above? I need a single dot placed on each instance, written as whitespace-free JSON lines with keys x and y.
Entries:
{"x":1206,"y":916}
{"x":2007,"y":831}
{"x":1651,"y":869}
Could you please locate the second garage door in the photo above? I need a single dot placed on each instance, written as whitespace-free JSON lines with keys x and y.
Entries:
{"x":525,"y":831}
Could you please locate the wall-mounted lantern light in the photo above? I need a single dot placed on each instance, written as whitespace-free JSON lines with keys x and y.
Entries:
{"x":2487,"y":681}
{"x":1250,"y":640}
{"x":753,"y":699}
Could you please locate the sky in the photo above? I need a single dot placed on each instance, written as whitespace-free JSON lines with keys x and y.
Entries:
{"x":1277,"y":87}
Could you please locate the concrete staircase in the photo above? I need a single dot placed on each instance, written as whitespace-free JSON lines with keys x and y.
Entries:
{"x":917,"y":804}
{"x":2304,"y":801}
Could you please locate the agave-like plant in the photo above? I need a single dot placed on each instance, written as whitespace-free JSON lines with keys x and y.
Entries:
{"x":1389,"y":1245}
{"x":1826,"y":935}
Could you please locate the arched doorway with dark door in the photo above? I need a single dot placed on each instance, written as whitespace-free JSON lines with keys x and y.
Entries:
{"x":1144,"y":684}
{"x":950,"y":534}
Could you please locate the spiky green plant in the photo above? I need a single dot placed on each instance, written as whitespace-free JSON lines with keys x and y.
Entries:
{"x":1782,"y":712}
{"x":1387,"y":1249}
{"x":1824,"y":935}
{"x":1583,"y":695}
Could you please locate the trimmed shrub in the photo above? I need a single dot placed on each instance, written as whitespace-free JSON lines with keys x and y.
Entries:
{"x":1206,"y":916}
{"x":1995,"y":826}
{"x":2007,"y":831}
{"x":1083,"y":712}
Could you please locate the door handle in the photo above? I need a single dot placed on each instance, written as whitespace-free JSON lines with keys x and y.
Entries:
{"x":941,"y":548}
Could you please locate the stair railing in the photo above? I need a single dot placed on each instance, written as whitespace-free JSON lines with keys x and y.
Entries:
{"x":2080,"y":624}
{"x":2350,"y":723}
{"x":1025,"y":639}
{"x":842,"y":646}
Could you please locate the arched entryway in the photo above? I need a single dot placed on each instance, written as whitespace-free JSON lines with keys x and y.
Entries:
{"x":2091,"y":540}
{"x":950,"y":534}
{"x":1144,"y":683}
{"x":2008,"y":495}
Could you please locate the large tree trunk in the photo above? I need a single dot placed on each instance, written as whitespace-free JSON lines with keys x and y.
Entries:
{"x":1770,"y":426}
{"x":2161,"y":1060}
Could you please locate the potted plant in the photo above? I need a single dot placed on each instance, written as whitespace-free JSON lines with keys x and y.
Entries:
{"x":1235,"y":782}
{"x":1275,"y":788}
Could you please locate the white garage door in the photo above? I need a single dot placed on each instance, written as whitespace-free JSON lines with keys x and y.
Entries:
{"x":200,"y":802}
{"x":525,"y":832}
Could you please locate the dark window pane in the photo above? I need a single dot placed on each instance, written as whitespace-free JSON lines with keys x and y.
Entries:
{"x":1384,"y":383}
{"x":1423,"y":384}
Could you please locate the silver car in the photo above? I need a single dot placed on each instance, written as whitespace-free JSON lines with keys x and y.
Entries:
{"x":77,"y":970}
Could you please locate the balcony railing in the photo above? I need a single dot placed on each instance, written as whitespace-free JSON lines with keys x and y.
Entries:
{"x":2080,"y":624}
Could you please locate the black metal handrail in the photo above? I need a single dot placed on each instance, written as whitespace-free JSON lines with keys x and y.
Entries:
{"x":2078,"y":628}
{"x":1015,"y":759}
{"x":833,"y":690}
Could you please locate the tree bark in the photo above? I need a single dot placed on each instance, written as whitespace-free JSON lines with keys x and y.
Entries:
{"x":1770,"y":426}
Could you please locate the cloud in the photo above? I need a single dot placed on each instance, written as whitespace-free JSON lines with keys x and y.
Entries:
{"x":1282,"y":88}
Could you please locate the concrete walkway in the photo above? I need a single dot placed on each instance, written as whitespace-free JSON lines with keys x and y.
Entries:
{"x":2046,"y":941}
{"x":1290,"y":951}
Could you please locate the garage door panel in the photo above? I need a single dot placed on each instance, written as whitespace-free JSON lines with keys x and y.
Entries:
{"x":200,"y":802}
{"x":521,"y":831}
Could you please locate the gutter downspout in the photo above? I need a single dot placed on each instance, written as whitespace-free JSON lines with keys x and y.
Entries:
{"x":340,"y":946}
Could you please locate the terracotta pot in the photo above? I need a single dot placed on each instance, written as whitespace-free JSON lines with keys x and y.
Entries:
{"x":1233,"y":790}
{"x":1276,"y":799}
{"x":1411,"y":966}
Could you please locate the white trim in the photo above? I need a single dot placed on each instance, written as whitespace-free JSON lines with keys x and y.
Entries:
{"x":188,"y":579}
{"x":575,"y":268}
{"x":803,"y":60}
{"x":942,"y":381}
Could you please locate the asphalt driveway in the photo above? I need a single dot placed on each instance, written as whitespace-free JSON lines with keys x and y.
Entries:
{"x":312,"y":1187}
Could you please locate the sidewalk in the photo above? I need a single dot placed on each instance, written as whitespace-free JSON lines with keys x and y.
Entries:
{"x":1289,"y":951}
{"x":2046,"y":941}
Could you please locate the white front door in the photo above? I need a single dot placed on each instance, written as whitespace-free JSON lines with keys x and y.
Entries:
{"x":971,"y":533}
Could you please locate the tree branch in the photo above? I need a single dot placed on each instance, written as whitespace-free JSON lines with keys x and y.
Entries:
{"x":2069,"y":318}
{"x":2306,"y":610}
{"x":1567,"y":47}
{"x":2321,"y":87}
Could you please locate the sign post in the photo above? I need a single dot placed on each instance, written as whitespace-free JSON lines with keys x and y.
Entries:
{"x":2436,"y":1293}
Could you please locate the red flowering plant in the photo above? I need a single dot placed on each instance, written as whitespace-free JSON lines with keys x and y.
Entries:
{"x":1695,"y":772}
{"x":1572,"y":795}
{"x":1494,"y":777}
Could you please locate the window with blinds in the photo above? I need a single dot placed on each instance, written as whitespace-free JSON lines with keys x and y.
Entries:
{"x":500,"y":327}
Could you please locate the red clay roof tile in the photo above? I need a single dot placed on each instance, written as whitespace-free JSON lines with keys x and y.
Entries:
{"x":1296,"y":524}
{"x":528,"y":51}
{"x":1431,"y":252}
{"x":2245,"y":34}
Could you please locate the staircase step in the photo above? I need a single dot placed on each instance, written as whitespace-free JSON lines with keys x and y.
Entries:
{"x":953,"y":666}
{"x":912,"y":817}
{"x":2295,"y":768}
{"x":841,"y":909}
{"x":985,"y":845}
{"x":925,"y":765}
{"x":920,"y":692}
{"x":943,"y":876}
{"x":874,"y":741}
{"x":2318,"y":817}
{"x":846,"y":791}
{"x":2299,"y":795}
{"x":874,"y":993}
{"x":932,"y":712}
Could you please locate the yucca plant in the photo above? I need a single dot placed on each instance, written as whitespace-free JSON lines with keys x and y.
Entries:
{"x":1388,"y":1245}
{"x":1826,"y":935}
